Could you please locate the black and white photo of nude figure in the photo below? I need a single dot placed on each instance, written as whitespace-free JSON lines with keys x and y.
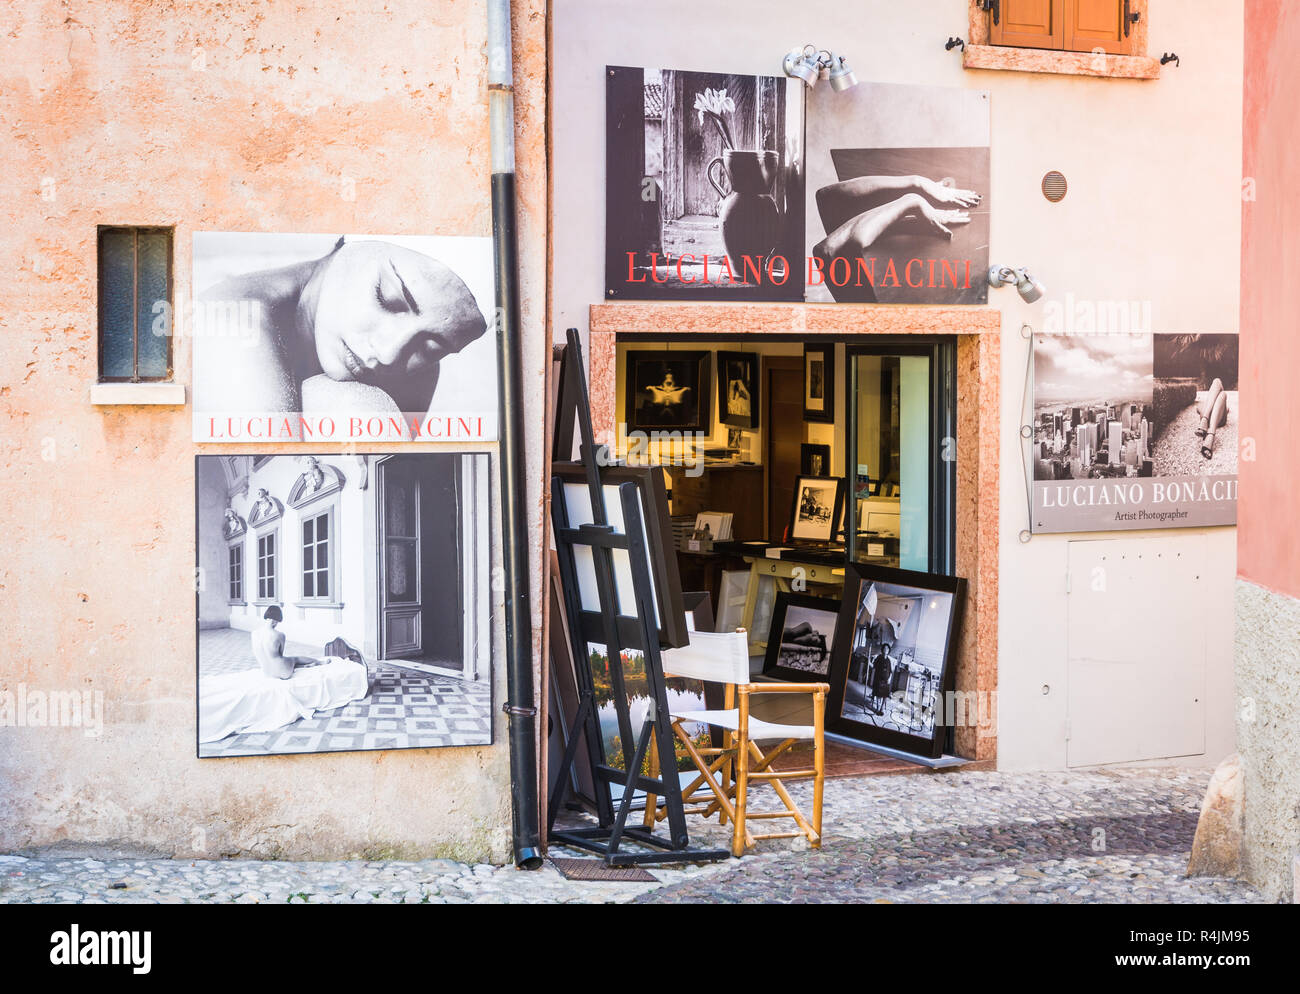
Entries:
{"x":363,"y":327}
{"x":858,"y":212}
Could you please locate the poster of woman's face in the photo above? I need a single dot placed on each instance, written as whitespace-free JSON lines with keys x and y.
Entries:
{"x":668,"y":391}
{"x":738,"y":387}
{"x":354,"y":338}
{"x":898,"y":205}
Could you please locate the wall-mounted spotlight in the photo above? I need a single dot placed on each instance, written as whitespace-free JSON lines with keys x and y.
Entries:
{"x":1028,"y":287}
{"x":810,"y":64}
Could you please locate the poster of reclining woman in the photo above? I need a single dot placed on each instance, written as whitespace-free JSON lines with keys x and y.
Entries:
{"x":343,"y":602}
{"x":898,"y":195}
{"x":353,"y":339}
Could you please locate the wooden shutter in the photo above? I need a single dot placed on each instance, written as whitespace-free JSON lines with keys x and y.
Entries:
{"x":1099,"y":24}
{"x":1029,"y":24}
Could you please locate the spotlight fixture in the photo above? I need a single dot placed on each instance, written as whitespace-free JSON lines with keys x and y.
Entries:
{"x":1029,"y":288}
{"x":810,"y":64}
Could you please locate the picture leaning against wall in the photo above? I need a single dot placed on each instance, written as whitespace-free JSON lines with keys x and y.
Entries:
{"x":1134,"y":431}
{"x":343,"y":602}
{"x":342,"y":338}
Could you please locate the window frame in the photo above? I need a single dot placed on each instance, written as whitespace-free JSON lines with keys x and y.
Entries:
{"x":981,"y":52}
{"x":237,"y":545}
{"x":135,"y":376}
{"x":277,"y":558}
{"x":312,"y":512}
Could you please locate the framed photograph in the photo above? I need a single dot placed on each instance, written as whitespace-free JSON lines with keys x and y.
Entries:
{"x":738,"y":389}
{"x":345,"y":604}
{"x":704,"y":185}
{"x":818,"y":503}
{"x":668,"y":391}
{"x":814,"y":460}
{"x":669,"y":615}
{"x":362,"y":338}
{"x":819,"y":383}
{"x":893,"y":668}
{"x":801,"y":640}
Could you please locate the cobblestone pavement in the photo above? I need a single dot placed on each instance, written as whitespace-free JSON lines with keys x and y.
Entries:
{"x":1118,"y":836}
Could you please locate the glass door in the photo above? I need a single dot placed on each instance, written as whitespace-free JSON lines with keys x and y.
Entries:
{"x":901,"y":442}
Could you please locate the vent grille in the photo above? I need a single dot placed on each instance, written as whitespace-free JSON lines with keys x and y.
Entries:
{"x":1054,"y":186}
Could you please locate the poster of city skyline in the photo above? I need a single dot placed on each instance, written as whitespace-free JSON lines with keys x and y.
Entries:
{"x":1133,"y":431}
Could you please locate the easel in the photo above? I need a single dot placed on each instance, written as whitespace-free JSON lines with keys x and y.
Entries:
{"x":604,"y":626}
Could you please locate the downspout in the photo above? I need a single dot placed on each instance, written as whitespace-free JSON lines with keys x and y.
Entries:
{"x":519,"y":707}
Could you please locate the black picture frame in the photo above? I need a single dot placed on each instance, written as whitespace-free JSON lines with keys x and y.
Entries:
{"x":808,"y":451}
{"x":659,"y":542}
{"x":819,"y":383}
{"x":746,"y":364}
{"x":645,"y":375}
{"x":821,"y":614}
{"x":920,"y":651}
{"x":823,"y":532}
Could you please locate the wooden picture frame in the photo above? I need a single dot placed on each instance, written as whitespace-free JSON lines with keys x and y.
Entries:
{"x":894,"y":664}
{"x":739,"y":389}
{"x":667,"y":391}
{"x":670,"y":616}
{"x":819,"y":383}
{"x":810,"y":519}
{"x":811,"y":622}
{"x":808,"y":459}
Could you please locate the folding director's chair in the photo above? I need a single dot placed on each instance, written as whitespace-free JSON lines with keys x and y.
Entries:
{"x":722,"y":785}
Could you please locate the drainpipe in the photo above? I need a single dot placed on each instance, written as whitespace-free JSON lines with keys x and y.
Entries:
{"x":520,"y":705}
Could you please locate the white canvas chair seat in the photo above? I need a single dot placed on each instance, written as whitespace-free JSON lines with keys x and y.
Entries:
{"x":726,"y":772}
{"x":759,"y":730}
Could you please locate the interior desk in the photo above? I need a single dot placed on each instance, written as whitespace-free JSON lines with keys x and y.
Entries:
{"x":818,"y":570}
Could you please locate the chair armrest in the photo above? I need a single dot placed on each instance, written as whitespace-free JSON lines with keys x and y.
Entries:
{"x":783,"y":688}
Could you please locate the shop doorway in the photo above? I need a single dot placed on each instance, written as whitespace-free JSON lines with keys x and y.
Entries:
{"x":784,"y":430}
{"x":420,"y":562}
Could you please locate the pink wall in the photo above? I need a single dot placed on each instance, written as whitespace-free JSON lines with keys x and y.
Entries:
{"x":1268,"y":531}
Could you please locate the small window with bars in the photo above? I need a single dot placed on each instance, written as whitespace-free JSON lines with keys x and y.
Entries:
{"x":266,"y":576}
{"x":236,"y":573}
{"x":135,"y":305}
{"x":316,"y":538}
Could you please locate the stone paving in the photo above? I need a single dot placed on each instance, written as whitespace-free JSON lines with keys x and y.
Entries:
{"x":1115,"y":836}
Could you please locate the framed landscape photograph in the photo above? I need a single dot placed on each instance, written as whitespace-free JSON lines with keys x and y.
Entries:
{"x":738,"y":388}
{"x":801,"y":640}
{"x":668,"y":391}
{"x":819,"y":383}
{"x":893,"y":667}
{"x":818,"y":503}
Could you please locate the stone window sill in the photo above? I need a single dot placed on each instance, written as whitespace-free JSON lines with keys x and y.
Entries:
{"x":1067,"y":63}
{"x":331,"y":605}
{"x":137,"y":394}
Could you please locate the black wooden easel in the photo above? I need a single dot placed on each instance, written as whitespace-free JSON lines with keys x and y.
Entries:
{"x":602,"y":627}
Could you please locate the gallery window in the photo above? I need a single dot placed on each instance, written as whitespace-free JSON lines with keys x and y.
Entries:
{"x":318,"y":542}
{"x":235,"y":572}
{"x":135,"y":304}
{"x":1108,"y":26}
{"x":266,"y":566}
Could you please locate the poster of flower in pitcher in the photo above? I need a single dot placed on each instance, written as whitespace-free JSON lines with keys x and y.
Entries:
{"x":704,"y":186}
{"x":348,"y":339}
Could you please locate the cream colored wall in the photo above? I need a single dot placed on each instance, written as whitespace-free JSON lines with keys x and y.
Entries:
{"x":240,"y":116}
{"x":1153,"y":215}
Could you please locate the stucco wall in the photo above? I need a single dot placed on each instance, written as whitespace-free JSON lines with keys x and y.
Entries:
{"x":233,"y":116}
{"x":1137,"y":225}
{"x":1268,"y":608}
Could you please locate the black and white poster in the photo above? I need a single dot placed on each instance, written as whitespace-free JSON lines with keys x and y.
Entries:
{"x":897,"y":195}
{"x":704,"y":186}
{"x":343,"y":602}
{"x":801,"y":639}
{"x":343,"y":339}
{"x":1134,"y":431}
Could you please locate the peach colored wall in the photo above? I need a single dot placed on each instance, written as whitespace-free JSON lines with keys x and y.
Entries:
{"x":1268,"y":542}
{"x":288,"y":116}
